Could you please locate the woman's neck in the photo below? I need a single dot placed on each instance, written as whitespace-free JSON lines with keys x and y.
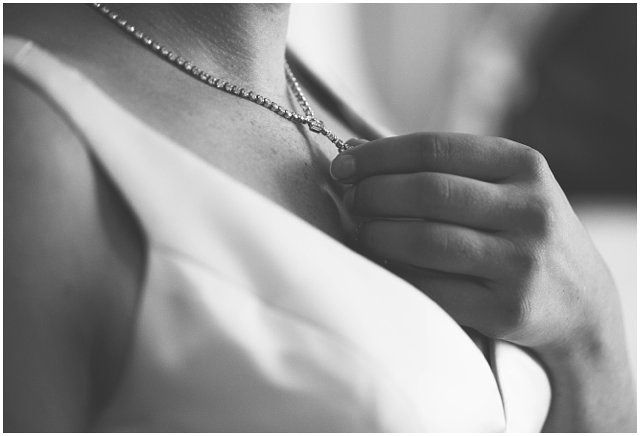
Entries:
{"x":241,"y":42}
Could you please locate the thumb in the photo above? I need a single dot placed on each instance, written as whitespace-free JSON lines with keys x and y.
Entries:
{"x":340,"y":167}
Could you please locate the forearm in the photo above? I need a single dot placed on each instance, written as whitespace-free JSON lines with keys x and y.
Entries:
{"x":592,"y":387}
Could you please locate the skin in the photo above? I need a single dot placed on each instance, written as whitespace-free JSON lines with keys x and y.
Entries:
{"x":75,"y":254}
{"x":481,"y":226}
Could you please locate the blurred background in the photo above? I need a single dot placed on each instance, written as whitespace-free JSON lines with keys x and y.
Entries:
{"x":559,"y":78}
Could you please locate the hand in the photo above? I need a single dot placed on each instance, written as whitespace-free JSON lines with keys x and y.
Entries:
{"x":482,"y":227}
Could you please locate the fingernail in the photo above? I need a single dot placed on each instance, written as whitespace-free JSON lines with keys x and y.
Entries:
{"x":349,"y":198}
{"x":354,"y":142}
{"x":343,"y":167}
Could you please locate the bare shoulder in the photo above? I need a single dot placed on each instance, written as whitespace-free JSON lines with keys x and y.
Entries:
{"x":34,"y":19}
{"x":74,"y":260}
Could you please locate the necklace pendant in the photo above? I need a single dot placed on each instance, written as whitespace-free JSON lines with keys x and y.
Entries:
{"x":315,"y":125}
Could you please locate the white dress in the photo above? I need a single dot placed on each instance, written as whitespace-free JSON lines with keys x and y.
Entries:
{"x":238,"y":328}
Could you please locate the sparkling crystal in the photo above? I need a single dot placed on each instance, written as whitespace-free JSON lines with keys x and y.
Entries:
{"x":315,"y":125}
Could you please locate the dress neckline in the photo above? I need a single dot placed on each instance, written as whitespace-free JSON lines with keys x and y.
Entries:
{"x":32,"y":60}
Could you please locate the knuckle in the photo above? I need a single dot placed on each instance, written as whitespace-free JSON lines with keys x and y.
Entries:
{"x":436,"y":149}
{"x":472,"y":252}
{"x":441,"y":148}
{"x":436,"y":191}
{"x":509,"y":145}
{"x":539,"y":215}
{"x":516,"y":313}
{"x":533,"y":162}
{"x":444,"y":190}
{"x":454,"y":246}
{"x":439,"y":242}
{"x":525,"y":261}
{"x":506,"y":142}
{"x":512,"y":313}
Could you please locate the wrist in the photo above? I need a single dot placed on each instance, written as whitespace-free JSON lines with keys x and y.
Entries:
{"x":590,"y":373}
{"x":592,"y":330}
{"x":586,"y":346}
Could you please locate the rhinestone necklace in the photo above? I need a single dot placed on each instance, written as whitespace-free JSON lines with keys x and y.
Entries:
{"x":309,"y":119}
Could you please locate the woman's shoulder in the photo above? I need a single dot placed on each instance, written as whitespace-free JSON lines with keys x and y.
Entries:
{"x":37,"y":21}
{"x":74,"y":259}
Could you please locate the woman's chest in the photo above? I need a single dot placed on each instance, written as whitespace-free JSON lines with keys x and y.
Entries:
{"x":282,"y":161}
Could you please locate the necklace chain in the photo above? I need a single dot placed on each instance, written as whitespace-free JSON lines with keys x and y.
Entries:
{"x":309,"y":119}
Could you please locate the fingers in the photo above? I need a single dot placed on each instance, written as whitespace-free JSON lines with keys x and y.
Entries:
{"x":434,"y":196}
{"x":482,"y":158}
{"x":467,"y":300}
{"x":437,"y":246}
{"x":471,"y":221}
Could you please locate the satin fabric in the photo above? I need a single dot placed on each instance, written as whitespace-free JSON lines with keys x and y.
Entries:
{"x":252,"y":320}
